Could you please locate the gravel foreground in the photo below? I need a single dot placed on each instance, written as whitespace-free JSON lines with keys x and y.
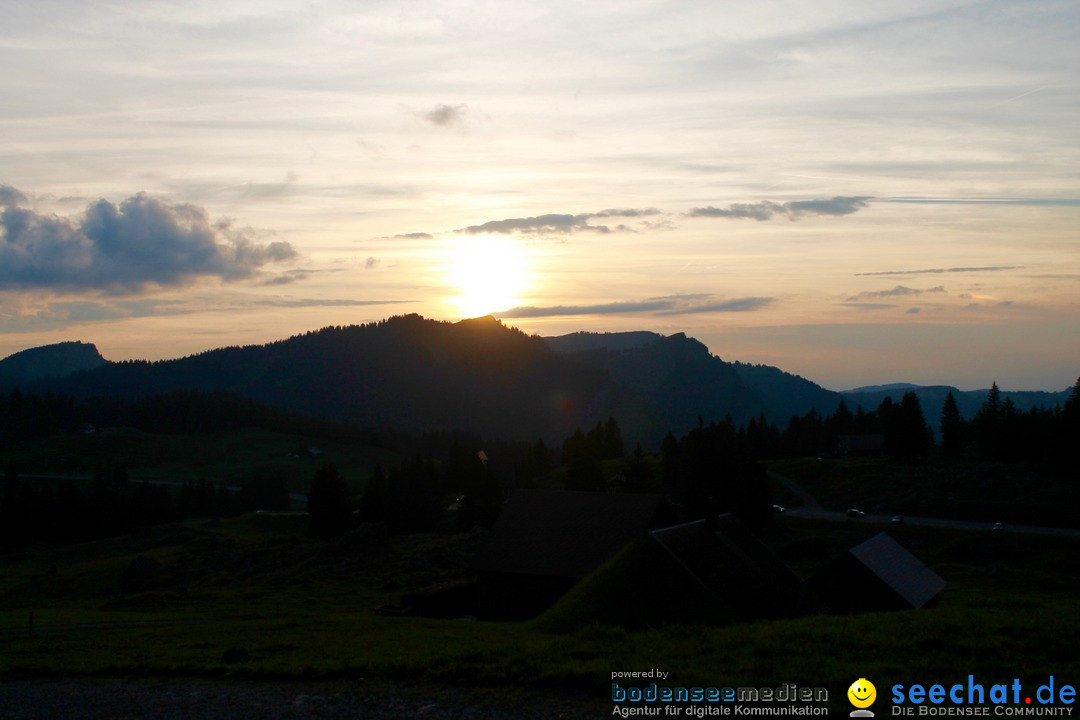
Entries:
{"x":169,"y":699}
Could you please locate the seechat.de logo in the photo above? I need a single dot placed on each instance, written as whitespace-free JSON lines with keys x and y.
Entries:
{"x":862,"y":694}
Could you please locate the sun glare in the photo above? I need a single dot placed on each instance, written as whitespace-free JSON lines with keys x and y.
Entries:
{"x":487,"y":274}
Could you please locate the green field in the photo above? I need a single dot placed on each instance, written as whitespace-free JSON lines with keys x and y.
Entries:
{"x":171,"y":601}
{"x":227,"y":458}
{"x":955,"y":488}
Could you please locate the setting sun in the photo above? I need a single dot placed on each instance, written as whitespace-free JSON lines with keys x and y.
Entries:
{"x":486,"y":274}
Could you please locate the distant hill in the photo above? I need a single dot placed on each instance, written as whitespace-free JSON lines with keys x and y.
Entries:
{"x":49,"y":361}
{"x":672,"y":380}
{"x":785,"y":394}
{"x":678,"y":380}
{"x":889,"y":388}
{"x":932,"y":398}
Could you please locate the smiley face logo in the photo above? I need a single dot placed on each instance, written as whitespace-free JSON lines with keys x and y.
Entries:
{"x":862,"y":693}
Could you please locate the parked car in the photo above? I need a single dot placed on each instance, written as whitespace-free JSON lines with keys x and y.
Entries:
{"x":998,"y":527}
{"x":777,"y":509}
{"x":897,"y":520}
{"x":855,"y":513}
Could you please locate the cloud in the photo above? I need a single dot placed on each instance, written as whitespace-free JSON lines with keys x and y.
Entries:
{"x":371,"y":262}
{"x":767,"y":210}
{"x":898,"y":291}
{"x":447,"y":115}
{"x":143,"y":242}
{"x":557,"y":224}
{"x":670,"y":305}
{"x":414,"y":236}
{"x":939,"y":271}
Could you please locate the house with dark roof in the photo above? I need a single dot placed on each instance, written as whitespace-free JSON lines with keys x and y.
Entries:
{"x":736,"y":570}
{"x":545,"y":541}
{"x":879,"y":574}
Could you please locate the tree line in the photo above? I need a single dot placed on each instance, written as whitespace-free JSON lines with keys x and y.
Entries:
{"x":456,"y":482}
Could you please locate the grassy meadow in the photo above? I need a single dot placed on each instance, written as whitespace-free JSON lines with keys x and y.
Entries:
{"x":173,"y":600}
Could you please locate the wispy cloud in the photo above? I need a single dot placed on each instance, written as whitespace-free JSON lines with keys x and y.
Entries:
{"x":325,"y":302}
{"x":558,"y":224}
{"x":746,"y":304}
{"x":939,"y":271}
{"x":869,"y":305}
{"x":1029,"y":201}
{"x":56,"y":315}
{"x":670,"y":305}
{"x":794,"y":210}
{"x":898,"y":291}
{"x":140,"y":243}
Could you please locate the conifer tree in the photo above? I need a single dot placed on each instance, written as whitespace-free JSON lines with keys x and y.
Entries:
{"x":952,"y":426}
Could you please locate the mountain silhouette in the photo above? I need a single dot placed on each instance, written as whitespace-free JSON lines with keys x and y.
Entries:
{"x":419,"y":375}
{"x":48,"y":361}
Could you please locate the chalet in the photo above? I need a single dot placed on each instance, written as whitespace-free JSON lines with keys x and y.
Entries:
{"x":627,"y":563}
{"x":879,"y":574}
{"x":545,"y":541}
{"x":736,"y":570}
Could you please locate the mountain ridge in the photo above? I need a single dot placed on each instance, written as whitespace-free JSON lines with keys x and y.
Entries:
{"x":412,"y":373}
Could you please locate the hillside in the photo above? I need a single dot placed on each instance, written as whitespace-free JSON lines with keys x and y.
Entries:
{"x":406,"y":373}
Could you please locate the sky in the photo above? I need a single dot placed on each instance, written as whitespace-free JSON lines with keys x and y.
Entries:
{"x":858,"y":192}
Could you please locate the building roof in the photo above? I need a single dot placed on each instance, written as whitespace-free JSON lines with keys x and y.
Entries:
{"x":899,"y":569}
{"x":736,"y":568}
{"x":564,"y":533}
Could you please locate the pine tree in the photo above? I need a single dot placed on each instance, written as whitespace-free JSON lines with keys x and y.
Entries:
{"x":329,"y":514}
{"x":952,"y":426}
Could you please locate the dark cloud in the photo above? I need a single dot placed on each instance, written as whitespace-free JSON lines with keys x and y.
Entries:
{"x":414,"y":236}
{"x":767,"y":210}
{"x":671,"y":305}
{"x":371,"y":262}
{"x":939,"y":271}
{"x":557,"y":224}
{"x":447,"y":115}
{"x":10,"y":197}
{"x":142,"y":242}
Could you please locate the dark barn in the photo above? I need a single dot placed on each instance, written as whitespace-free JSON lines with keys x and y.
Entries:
{"x":736,"y":570}
{"x":545,"y":541}
{"x":879,"y":574}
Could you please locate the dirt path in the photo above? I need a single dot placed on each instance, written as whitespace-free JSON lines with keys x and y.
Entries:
{"x":176,"y":699}
{"x":809,"y":502}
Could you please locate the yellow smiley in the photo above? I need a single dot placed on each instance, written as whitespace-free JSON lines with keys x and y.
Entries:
{"x":862,"y":693}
